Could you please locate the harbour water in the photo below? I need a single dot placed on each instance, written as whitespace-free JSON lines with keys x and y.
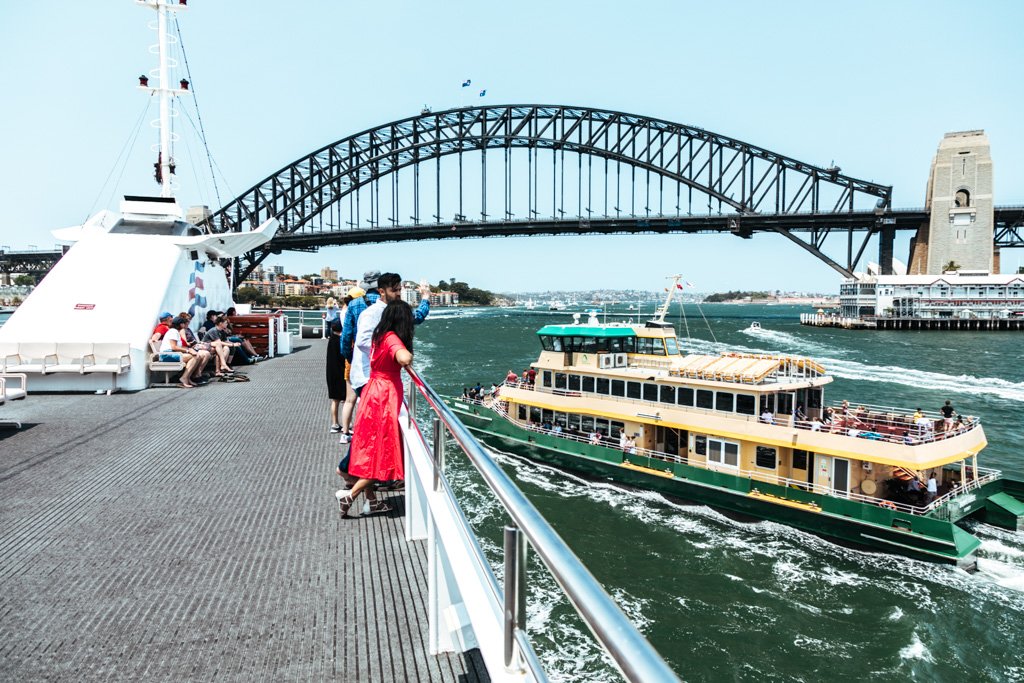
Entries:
{"x":728,"y":599}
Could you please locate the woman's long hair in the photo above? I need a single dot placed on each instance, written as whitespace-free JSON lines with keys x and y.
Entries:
{"x":397,"y":318}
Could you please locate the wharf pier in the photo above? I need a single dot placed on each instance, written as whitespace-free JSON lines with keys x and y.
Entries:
{"x":912,"y":323}
{"x":175,"y":534}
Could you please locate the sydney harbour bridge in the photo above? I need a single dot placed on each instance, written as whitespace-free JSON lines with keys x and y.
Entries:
{"x":554,"y":170}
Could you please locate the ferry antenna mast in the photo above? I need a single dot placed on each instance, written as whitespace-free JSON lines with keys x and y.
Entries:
{"x":165,"y":161}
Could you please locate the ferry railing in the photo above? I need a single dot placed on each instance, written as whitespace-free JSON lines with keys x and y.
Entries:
{"x":894,"y":431}
{"x":979,"y":475}
{"x":631,"y":653}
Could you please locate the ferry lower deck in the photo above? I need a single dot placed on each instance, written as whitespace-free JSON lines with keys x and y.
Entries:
{"x":193,"y":535}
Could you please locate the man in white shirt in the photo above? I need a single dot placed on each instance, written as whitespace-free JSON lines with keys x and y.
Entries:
{"x":933,"y":489}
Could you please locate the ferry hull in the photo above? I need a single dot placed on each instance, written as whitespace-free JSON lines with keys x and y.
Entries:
{"x":921,"y":537}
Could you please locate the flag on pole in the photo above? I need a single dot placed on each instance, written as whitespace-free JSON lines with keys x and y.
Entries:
{"x":689,"y":284}
{"x":483,"y":93}
{"x":678,"y":286}
{"x":466,"y":83}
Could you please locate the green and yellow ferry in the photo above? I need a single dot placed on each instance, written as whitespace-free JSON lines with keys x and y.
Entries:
{"x":752,"y":434}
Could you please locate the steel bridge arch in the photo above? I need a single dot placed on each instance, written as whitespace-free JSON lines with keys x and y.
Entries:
{"x":714,"y":165}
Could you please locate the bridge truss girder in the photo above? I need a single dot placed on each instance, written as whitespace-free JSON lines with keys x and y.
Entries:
{"x":733,"y":176}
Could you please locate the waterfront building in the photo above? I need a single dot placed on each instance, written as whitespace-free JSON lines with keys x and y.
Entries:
{"x":954,"y":295}
{"x":328,"y":273}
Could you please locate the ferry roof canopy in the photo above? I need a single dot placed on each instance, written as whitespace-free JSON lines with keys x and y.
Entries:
{"x":586,"y":331}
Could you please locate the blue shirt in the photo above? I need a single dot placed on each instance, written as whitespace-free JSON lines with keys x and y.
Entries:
{"x":348,"y":330}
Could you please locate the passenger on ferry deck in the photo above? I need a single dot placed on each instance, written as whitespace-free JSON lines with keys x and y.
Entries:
{"x":947,"y":416}
{"x":335,"y":373}
{"x":829,"y":415}
{"x":933,"y":489}
{"x":622,"y":440}
{"x":595,"y":438}
{"x":799,"y":414}
{"x":217,"y":337}
{"x":246,"y":350}
{"x":172,"y":349}
{"x":767,"y":417}
{"x":204,"y":351}
{"x":815,"y":424}
{"x":348,"y":408}
{"x":388,"y":288}
{"x":914,"y":490}
{"x":376,"y":450}
{"x":530,"y":375}
{"x":512,"y":378}
{"x":210,"y":322}
{"x":631,"y":444}
{"x":162,"y":326}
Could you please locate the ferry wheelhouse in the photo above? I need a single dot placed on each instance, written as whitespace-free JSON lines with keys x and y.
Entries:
{"x":752,"y":434}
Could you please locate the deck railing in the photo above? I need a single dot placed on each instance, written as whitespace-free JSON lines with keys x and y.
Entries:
{"x":635,"y":658}
{"x":981,"y":476}
{"x":875,"y":425}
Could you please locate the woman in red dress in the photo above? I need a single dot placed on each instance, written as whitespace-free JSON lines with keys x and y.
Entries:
{"x":376,"y":453}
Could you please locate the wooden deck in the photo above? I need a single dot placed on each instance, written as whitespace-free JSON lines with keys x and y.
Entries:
{"x":179,"y":534}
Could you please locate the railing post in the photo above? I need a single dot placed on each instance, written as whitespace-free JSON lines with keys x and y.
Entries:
{"x":515,"y":592}
{"x":412,"y":404}
{"x":438,"y":451}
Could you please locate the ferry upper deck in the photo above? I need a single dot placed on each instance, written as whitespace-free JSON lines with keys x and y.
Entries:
{"x":193,"y":535}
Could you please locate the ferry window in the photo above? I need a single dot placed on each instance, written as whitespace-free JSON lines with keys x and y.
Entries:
{"x":546,"y":378}
{"x":602,"y":425}
{"x":745,"y":404}
{"x":814,"y":398}
{"x":700,"y":445}
{"x":658,"y":347}
{"x":671,"y":347}
{"x":714,"y":450}
{"x":560,"y":380}
{"x":535,"y":414}
{"x":602,"y":344}
{"x":705,"y":398}
{"x":723,"y":401}
{"x":589,"y":344}
{"x":799,"y":459}
{"x":577,"y":343}
{"x":629,"y":344}
{"x":560,"y":419}
{"x":765,"y":458}
{"x":650,"y":392}
{"x":767,"y":403}
{"x":574,"y":382}
{"x":522,"y":412}
{"x":556,"y":343}
{"x":546,"y":416}
{"x":786,"y":404}
{"x":617,"y":427}
{"x":602,"y":385}
{"x":618,"y":387}
{"x":545,"y":342}
{"x":587,"y":423}
{"x":684,"y":396}
{"x":667,"y":394}
{"x":588,"y":384}
{"x":633,"y":389}
{"x":615,"y":345}
{"x":574,"y":421}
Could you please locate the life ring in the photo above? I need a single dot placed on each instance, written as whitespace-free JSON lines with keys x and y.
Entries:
{"x":887,"y":505}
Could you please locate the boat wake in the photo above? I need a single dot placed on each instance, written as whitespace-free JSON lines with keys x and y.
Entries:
{"x":786,"y":340}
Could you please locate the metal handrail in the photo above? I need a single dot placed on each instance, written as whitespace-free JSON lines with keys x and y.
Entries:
{"x":634,"y":656}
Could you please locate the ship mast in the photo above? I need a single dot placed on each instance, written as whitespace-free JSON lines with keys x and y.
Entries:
{"x":659,"y":315}
{"x":165,"y":160}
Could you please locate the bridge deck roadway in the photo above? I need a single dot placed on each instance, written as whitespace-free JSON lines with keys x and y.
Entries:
{"x":180,"y":534}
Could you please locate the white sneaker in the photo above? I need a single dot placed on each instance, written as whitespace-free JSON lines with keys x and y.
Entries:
{"x":341,"y":493}
{"x":366,"y":507}
{"x":335,"y":429}
{"x":345,"y":438}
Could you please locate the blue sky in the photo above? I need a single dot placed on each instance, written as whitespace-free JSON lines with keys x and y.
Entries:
{"x":872,"y":86}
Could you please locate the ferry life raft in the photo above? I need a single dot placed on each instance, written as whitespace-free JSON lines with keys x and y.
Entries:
{"x":751,"y":434}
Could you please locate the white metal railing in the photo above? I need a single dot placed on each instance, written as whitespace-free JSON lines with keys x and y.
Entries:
{"x":628,"y":649}
{"x":981,"y":475}
{"x":891,"y":430}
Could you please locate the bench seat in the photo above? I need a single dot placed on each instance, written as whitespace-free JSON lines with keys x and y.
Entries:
{"x":13,"y":387}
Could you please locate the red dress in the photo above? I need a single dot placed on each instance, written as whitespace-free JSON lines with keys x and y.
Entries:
{"x":376,"y":451}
